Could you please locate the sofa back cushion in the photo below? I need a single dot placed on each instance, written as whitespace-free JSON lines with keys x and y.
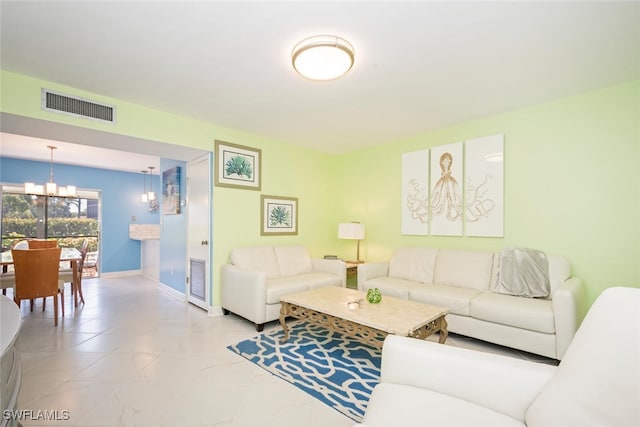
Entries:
{"x":256,"y":258}
{"x":465,"y":269}
{"x":293,"y":260}
{"x":596,"y":384}
{"x":415,"y":264}
{"x":559,"y":271}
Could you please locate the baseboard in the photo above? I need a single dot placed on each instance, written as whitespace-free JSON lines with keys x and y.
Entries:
{"x":212,"y":311}
{"x":215,"y":311}
{"x":125,"y":273}
{"x":151,"y":274}
{"x":169,"y":290}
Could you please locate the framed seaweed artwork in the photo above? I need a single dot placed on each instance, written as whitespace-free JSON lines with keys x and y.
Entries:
{"x":279,"y":216}
{"x":237,"y":166}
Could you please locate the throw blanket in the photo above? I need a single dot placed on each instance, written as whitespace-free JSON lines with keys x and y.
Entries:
{"x":523,"y":272}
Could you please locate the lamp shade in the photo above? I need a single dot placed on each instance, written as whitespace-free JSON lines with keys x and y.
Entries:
{"x":351,"y":230}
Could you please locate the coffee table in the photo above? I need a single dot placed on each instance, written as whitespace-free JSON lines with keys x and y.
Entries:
{"x":347,"y":311}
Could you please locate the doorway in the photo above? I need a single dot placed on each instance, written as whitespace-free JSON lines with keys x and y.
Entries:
{"x":199,"y":231}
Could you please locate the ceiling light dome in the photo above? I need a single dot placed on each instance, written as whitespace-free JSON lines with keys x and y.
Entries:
{"x":322,"y":57}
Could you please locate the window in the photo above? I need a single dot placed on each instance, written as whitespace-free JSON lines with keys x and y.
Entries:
{"x":68,"y":219}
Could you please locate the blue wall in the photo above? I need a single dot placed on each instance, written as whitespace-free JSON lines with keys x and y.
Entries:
{"x":173,"y":236}
{"x":120,"y":203}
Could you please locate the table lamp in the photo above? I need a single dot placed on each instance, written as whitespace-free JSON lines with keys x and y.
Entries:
{"x":352,"y":231}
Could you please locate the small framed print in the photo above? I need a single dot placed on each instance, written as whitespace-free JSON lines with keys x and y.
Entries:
{"x":171,"y":191}
{"x":279,"y":216}
{"x":237,"y":166}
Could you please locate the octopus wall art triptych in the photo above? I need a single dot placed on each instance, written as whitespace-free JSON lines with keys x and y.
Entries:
{"x":436,"y":202}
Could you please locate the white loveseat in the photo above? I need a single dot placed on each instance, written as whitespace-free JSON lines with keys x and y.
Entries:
{"x":596,"y":384}
{"x":464,"y":281}
{"x":255,"y":278}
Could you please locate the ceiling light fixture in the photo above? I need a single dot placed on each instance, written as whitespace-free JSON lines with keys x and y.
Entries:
{"x":50,"y":188}
{"x":322,"y":57}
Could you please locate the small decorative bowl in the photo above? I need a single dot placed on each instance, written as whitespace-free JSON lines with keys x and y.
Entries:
{"x":374,"y":296}
{"x":354,"y":305}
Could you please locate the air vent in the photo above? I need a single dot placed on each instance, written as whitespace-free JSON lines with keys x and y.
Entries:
{"x":52,"y":101}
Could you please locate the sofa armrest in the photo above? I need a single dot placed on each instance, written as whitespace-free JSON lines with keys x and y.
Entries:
{"x":569,"y":308}
{"x":371,"y":270}
{"x":244,"y":292}
{"x":501,"y":383}
{"x":331,"y":266}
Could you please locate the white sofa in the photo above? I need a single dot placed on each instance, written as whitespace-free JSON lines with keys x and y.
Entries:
{"x":255,"y":278}
{"x":596,"y":384}
{"x":464,"y":281}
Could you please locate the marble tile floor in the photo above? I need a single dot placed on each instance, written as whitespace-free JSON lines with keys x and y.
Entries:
{"x":137,"y":355}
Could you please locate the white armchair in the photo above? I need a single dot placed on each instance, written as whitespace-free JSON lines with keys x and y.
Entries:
{"x":255,"y":279}
{"x":596,"y":384}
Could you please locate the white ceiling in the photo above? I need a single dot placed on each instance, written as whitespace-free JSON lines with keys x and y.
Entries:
{"x":29,"y":148}
{"x":418,"y":65}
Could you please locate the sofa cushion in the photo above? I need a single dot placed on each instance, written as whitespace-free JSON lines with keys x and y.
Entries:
{"x":256,"y":258}
{"x":457,"y":299}
{"x":392,"y":286}
{"x":276,"y":288}
{"x":407,"y":406}
{"x":293,"y":260}
{"x":465,"y":269}
{"x":526,"y":313}
{"x":597,"y":382}
{"x":320,"y":279}
{"x":415,"y":264}
{"x":559,"y":271}
{"x":281,"y":286}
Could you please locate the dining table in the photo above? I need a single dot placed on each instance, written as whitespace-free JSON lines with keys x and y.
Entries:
{"x":71,"y":255}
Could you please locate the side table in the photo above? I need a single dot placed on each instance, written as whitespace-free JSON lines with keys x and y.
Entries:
{"x":352,"y":274}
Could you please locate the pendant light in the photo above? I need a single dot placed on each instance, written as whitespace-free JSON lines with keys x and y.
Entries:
{"x":50,"y":188}
{"x":151,"y":194}
{"x":144,"y":197}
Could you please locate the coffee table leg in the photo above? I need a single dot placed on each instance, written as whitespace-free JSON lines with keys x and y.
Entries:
{"x":284,"y":312}
{"x":444,"y":333}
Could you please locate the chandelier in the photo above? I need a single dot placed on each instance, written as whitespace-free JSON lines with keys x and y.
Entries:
{"x":50,"y":188}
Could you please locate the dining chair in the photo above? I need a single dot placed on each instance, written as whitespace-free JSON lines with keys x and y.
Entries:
{"x":36,"y":273}
{"x":7,"y":281}
{"x":66,"y":275}
{"x":42,"y":243}
{"x":91,"y":262}
{"x":8,"y":278}
{"x":20,"y":244}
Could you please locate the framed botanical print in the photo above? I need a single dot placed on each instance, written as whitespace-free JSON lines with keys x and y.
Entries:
{"x":237,"y":166}
{"x":279,"y":215}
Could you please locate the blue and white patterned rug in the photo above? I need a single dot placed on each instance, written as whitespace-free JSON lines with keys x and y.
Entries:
{"x":336,"y":369}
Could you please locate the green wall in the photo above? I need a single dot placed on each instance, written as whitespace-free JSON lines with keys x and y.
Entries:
{"x":286,"y":170}
{"x":572,"y":169}
{"x":572,"y":174}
